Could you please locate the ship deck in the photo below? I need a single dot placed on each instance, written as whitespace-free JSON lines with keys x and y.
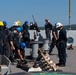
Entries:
{"x":70,"y":63}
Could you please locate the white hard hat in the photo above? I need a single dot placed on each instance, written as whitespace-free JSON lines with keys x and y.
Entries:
{"x":15,"y":24}
{"x":58,"y":24}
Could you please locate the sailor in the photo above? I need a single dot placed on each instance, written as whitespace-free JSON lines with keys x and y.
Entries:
{"x":54,"y":39}
{"x":62,"y":44}
{"x":5,"y":32}
{"x":13,"y":39}
{"x":1,"y":38}
{"x":26,"y":34}
{"x":48,"y":28}
{"x":25,"y":26}
{"x":15,"y":25}
{"x":31,"y":26}
{"x":22,"y":48}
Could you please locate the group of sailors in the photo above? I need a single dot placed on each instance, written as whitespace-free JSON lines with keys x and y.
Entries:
{"x":13,"y":40}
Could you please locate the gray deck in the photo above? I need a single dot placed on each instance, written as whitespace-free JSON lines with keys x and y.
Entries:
{"x":70,"y":64}
{"x":71,"y":60}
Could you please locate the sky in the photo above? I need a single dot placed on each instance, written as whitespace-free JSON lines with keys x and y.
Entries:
{"x":54,"y":10}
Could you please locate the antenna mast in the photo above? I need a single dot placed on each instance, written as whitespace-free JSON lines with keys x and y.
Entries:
{"x":70,"y":14}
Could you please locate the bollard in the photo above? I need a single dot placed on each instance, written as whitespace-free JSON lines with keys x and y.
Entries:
{"x":35,"y":49}
{"x":46,"y":44}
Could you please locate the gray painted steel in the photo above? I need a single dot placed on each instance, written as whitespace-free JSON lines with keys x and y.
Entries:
{"x":70,"y":33}
{"x":4,"y":65}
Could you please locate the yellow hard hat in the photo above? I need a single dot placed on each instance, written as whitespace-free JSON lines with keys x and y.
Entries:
{"x":1,"y":23}
{"x":18,"y":23}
